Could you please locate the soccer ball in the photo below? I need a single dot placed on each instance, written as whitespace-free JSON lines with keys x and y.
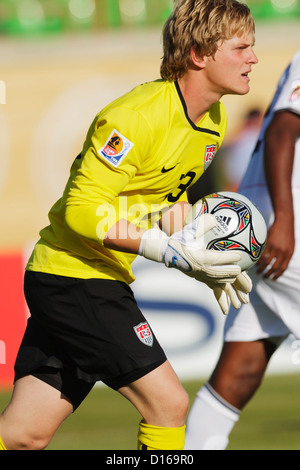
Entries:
{"x":240,"y":226}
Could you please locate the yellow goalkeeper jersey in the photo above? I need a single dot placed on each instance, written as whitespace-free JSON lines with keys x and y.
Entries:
{"x":140,"y":155}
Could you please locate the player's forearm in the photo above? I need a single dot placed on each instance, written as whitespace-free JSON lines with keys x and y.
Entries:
{"x":124,"y":236}
{"x":100,"y":224}
{"x":173,"y":220}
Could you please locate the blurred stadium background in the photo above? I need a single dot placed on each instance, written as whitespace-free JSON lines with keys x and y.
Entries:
{"x":61,"y":61}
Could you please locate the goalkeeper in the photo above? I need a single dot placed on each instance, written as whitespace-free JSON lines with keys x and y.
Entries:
{"x":127,"y":195}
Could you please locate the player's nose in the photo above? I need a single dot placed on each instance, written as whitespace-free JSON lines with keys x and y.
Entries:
{"x":253,"y":59}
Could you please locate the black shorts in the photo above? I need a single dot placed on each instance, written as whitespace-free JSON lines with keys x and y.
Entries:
{"x":82,"y":331}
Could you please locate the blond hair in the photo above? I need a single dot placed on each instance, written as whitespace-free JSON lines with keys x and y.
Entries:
{"x":201,"y":24}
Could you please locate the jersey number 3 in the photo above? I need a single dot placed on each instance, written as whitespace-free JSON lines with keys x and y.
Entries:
{"x":186,"y":181}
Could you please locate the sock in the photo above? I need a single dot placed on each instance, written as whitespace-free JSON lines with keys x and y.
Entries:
{"x":157,"y":438}
{"x":2,"y":447}
{"x":210,"y":421}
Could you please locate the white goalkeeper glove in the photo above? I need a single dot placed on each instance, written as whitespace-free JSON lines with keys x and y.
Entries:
{"x":184,"y":251}
{"x":235,"y":293}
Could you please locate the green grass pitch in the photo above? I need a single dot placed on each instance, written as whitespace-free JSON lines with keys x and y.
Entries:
{"x":106,"y":421}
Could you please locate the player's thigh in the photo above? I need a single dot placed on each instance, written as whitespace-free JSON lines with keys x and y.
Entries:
{"x":35,"y":412}
{"x":159,"y":397}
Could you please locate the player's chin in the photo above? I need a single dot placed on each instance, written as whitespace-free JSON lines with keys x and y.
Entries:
{"x":240,"y":90}
{"x":245,"y":86}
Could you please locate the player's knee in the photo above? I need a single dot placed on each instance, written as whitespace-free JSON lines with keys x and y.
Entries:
{"x":179,"y":405}
{"x":27,"y":441}
{"x":184,"y":400}
{"x":250,"y":373}
{"x":252,"y":379}
{"x":169,"y":411}
{"x":239,"y":386}
{"x":33,"y":444}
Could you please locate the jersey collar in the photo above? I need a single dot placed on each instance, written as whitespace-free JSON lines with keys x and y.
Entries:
{"x":196,"y":128}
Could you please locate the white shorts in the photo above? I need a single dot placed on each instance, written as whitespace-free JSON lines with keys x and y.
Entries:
{"x":273,"y":311}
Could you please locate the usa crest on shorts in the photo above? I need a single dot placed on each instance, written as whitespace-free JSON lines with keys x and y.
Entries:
{"x":144,"y":333}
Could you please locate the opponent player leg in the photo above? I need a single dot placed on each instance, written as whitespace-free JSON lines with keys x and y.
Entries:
{"x":163,"y":404}
{"x":216,"y":409}
{"x":240,"y":370}
{"x":34,"y":414}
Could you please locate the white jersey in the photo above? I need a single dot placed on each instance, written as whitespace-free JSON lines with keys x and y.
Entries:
{"x":286,"y":98}
{"x":274,"y":308}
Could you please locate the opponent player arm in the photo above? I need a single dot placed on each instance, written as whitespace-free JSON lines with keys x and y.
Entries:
{"x":280,"y":141}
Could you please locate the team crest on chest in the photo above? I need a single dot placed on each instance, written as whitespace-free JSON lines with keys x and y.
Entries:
{"x":116,"y":148}
{"x":210,"y":152}
{"x":144,"y":333}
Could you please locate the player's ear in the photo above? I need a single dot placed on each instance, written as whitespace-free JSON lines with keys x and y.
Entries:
{"x":199,"y":62}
